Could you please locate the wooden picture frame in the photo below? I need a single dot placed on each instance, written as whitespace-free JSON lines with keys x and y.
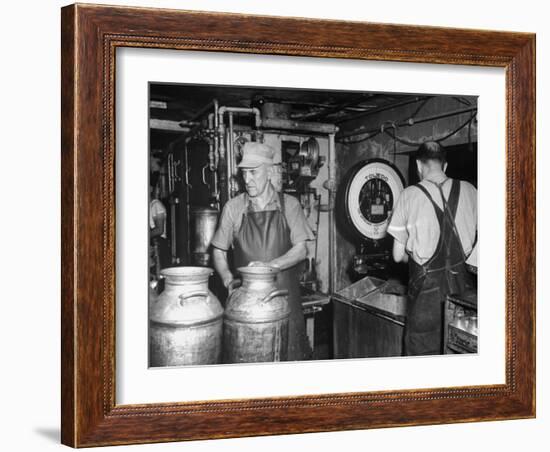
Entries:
{"x":90,"y":36}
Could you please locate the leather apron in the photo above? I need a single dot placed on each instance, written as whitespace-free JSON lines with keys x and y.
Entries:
{"x":429,"y":284}
{"x":264,"y":236}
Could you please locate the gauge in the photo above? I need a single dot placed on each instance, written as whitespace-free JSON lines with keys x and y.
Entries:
{"x":370,"y":192}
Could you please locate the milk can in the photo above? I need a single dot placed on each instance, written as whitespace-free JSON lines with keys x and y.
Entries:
{"x":256,"y":318}
{"x":203,"y":227}
{"x":185,"y":320}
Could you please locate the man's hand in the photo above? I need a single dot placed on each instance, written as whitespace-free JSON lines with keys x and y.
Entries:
{"x":399,"y":252}
{"x":294,"y":255}
{"x":226,"y":281}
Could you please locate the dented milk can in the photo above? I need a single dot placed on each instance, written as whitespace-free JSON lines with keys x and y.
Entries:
{"x":185,"y":320}
{"x":256,"y":318}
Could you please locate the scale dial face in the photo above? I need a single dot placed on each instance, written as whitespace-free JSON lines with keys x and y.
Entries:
{"x":372,"y":190}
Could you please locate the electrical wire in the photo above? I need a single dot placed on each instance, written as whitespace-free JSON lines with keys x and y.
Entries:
{"x":387,"y":125}
{"x":420,"y":107}
{"x":371,"y":135}
{"x":462,"y":101}
{"x":438,"y":140}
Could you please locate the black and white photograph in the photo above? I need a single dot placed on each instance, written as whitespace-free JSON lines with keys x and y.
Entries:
{"x":236,"y":225}
{"x":292,"y":224}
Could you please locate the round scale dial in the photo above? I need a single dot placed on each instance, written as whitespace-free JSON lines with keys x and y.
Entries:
{"x":372,"y":188}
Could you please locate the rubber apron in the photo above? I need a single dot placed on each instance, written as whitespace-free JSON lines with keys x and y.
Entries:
{"x":264,"y":236}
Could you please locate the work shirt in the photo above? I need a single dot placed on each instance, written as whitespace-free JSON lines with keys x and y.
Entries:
{"x":156,"y":211}
{"x":414,"y":222}
{"x":232,"y":216}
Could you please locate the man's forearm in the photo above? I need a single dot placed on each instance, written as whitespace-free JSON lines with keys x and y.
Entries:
{"x":294,"y":255}
{"x":222,"y":266}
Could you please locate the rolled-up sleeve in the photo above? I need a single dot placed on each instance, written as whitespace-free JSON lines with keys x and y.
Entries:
{"x":297,"y":223}
{"x":223,"y":237}
{"x":398,"y":221}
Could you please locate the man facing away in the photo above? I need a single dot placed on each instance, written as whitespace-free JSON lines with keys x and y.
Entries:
{"x":434,"y":225}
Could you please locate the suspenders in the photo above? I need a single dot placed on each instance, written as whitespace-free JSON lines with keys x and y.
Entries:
{"x":450,"y":205}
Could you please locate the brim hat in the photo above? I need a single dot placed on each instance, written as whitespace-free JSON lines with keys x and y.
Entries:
{"x":256,"y":154}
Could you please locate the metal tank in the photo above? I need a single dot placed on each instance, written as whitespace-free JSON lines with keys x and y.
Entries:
{"x":256,"y":318}
{"x":185,"y":320}
{"x":204,"y":221}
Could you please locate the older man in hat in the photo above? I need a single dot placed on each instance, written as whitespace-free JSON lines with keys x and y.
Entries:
{"x":265,"y":227}
{"x":434,"y":225}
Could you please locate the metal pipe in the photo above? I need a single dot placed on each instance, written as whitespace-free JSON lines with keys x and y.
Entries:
{"x":228,"y":173}
{"x":288,"y":124}
{"x":317,"y":226}
{"x":231,"y":143}
{"x":331,"y":186}
{"x":211,"y":154}
{"x":187,"y":203}
{"x":211,"y":142}
{"x":213,"y":124}
{"x":255,"y":111}
{"x":238,"y":128}
{"x":223,"y":163}
{"x":173,"y":235}
{"x":216,"y":140}
{"x":231,"y":152}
